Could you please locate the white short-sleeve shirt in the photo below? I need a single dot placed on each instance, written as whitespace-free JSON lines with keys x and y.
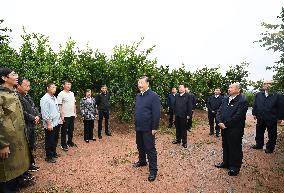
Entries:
{"x":67,"y":100}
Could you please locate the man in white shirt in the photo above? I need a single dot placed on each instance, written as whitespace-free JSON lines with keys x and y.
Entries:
{"x":67,"y":106}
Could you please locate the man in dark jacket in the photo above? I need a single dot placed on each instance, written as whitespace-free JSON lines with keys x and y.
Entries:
{"x":147,"y":118}
{"x":193,"y":101}
{"x":31,"y":115}
{"x":171,"y":102}
{"x":213,"y":104}
{"x":231,"y":118}
{"x":267,"y":112}
{"x":183,"y":111}
{"x":103,"y":111}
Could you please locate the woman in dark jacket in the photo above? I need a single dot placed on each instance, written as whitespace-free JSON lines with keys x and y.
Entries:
{"x":88,"y":112}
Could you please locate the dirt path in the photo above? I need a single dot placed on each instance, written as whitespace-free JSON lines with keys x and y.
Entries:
{"x":106,"y":165}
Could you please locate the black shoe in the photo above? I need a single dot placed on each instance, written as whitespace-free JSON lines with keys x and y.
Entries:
{"x":87,"y":141}
{"x":139,"y":164}
{"x":100,"y":137}
{"x":257,"y":147}
{"x":211,"y":133}
{"x":24,"y":183}
{"x":33,"y":168}
{"x":94,"y":139}
{"x":64,"y":148}
{"x":72,"y":144}
{"x":50,"y":160}
{"x":189,"y":129}
{"x":108,"y":134}
{"x":220,"y":165}
{"x":152,"y":177}
{"x":184,"y":145}
{"x":175,"y":142}
{"x":217,"y":134}
{"x":269,"y":151}
{"x":233,"y":172}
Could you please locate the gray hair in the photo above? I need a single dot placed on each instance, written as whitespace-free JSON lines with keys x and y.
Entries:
{"x":237,"y":84}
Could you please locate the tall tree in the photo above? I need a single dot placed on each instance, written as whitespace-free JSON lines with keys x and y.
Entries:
{"x":273,"y":39}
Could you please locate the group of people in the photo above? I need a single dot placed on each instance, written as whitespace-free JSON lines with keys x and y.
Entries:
{"x":19,"y":117}
{"x":228,"y":114}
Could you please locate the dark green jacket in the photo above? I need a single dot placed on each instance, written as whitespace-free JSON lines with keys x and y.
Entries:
{"x":12,"y":134}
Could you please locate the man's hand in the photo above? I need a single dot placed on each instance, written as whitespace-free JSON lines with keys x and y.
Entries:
{"x":37,"y":119}
{"x":254,"y":117}
{"x":154,"y":132}
{"x":4,"y":152}
{"x":222,"y":125}
{"x":49,"y":126}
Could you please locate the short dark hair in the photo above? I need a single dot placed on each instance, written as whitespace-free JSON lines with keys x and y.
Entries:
{"x":87,"y":90}
{"x":21,"y":79}
{"x":104,"y":85}
{"x":49,"y":84}
{"x":4,"y":72}
{"x":66,"y":81}
{"x":146,"y":78}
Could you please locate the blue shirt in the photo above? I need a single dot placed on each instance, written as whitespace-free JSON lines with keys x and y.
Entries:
{"x":49,"y":110}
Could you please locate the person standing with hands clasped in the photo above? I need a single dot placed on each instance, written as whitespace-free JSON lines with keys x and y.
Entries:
{"x":147,"y":119}
{"x":231,"y":118}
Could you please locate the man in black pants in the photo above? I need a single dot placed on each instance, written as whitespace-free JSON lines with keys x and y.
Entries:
{"x":171,"y":102}
{"x":213,"y":104}
{"x":67,"y":106}
{"x":147,"y":118}
{"x":193,"y":101}
{"x":231,"y":118}
{"x":31,"y":115}
{"x":103,"y":111}
{"x":267,"y":112}
{"x":183,"y":111}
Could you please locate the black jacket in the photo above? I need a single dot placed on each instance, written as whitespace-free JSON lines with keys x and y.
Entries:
{"x":171,"y":100}
{"x":268,"y":108}
{"x":214,"y":103}
{"x":193,"y":100}
{"x":102,"y":101}
{"x":183,"y":105}
{"x":147,"y":111}
{"x":233,"y":114}
{"x":29,"y":109}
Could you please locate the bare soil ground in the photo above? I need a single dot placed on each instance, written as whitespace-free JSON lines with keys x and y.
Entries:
{"x":106,"y":165}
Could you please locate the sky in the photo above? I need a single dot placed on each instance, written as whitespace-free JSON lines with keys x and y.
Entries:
{"x":197,"y":33}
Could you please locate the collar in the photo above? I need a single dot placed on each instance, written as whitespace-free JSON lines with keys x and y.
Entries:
{"x":5,"y":89}
{"x":216,"y":96}
{"x":144,"y":92}
{"x":181,"y":94}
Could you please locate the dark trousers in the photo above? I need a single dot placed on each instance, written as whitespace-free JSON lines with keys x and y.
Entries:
{"x":171,"y":117}
{"x":146,"y":146}
{"x":88,"y":129}
{"x":232,"y":148}
{"x":271,"y":126}
{"x":67,"y":129}
{"x":9,"y":186}
{"x":31,"y":143}
{"x":181,"y":126}
{"x":212,"y":119}
{"x":103,"y":114}
{"x":189,"y":122}
{"x":50,"y":142}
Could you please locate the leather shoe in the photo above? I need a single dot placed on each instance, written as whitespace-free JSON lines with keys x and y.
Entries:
{"x":108,"y":134}
{"x":256,"y":147}
{"x":100,"y":137}
{"x":217,"y":134}
{"x":233,"y":172}
{"x":211,"y":133}
{"x":184,"y":145}
{"x":139,"y":164}
{"x":152,"y":177}
{"x":221,"y":165}
{"x":269,"y":151}
{"x":176,"y":142}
